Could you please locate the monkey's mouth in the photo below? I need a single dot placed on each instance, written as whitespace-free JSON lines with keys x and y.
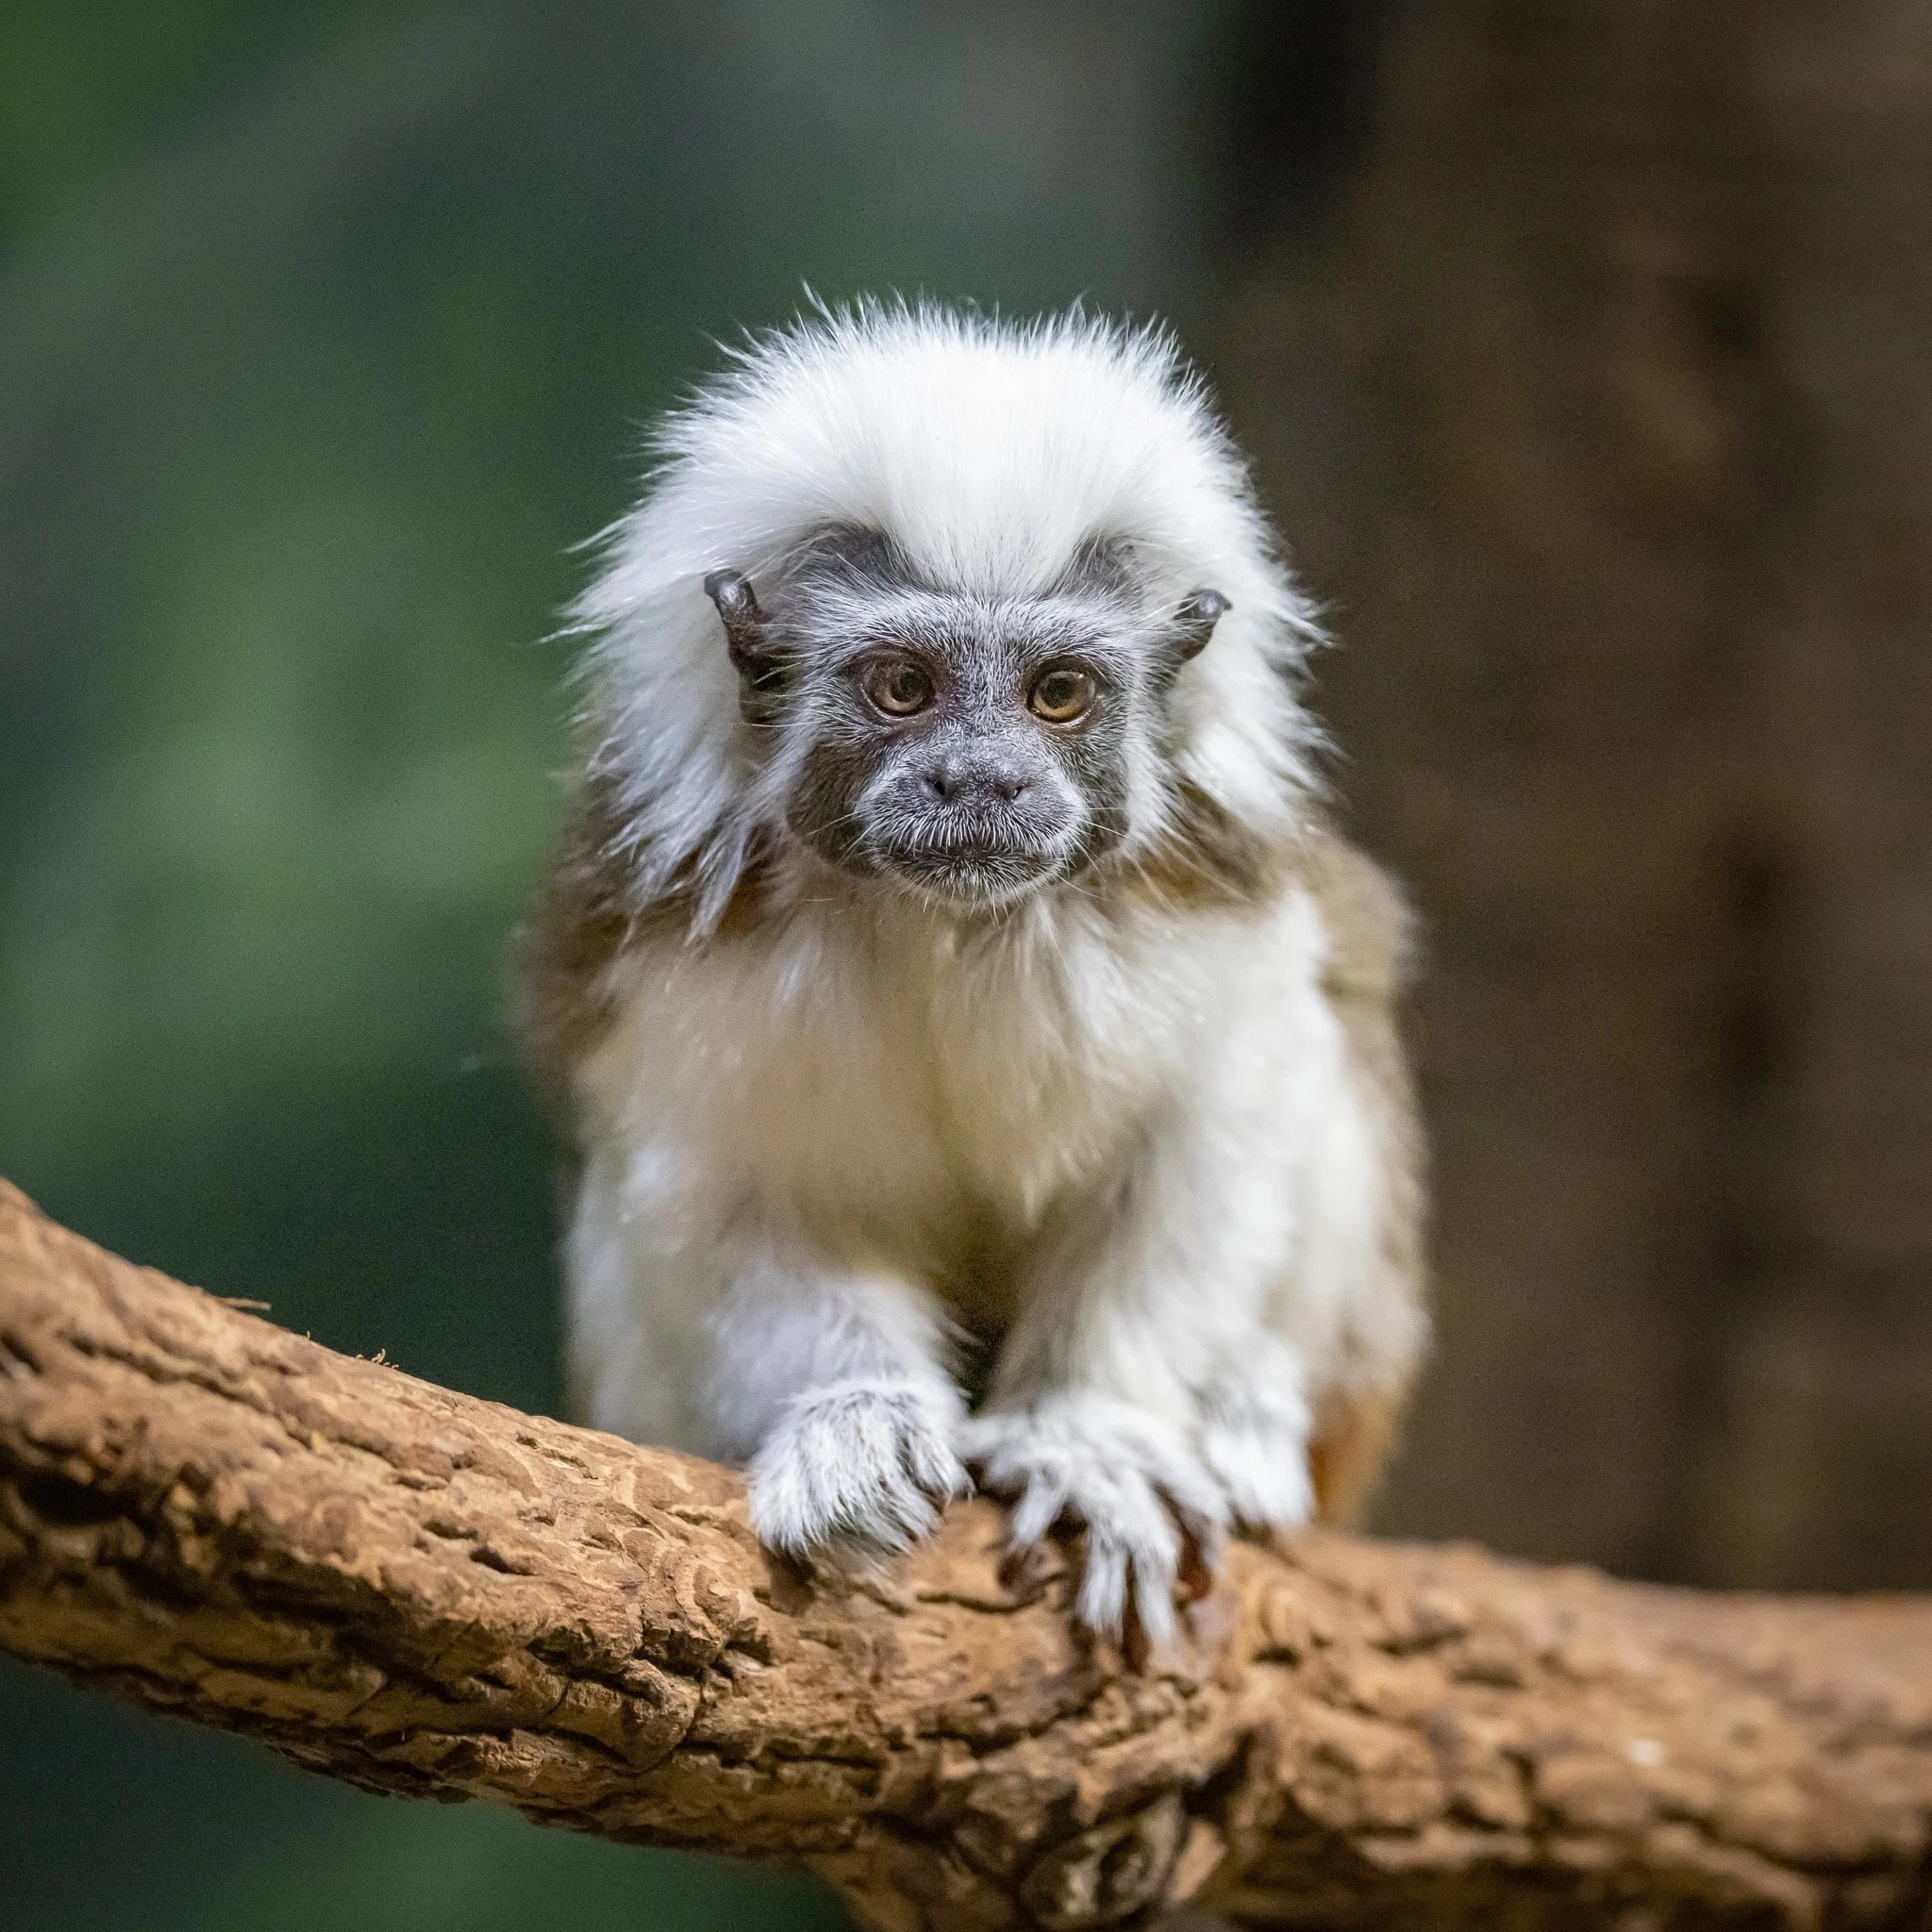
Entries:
{"x":974,"y":873}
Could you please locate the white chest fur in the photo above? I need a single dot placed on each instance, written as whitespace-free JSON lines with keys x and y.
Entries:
{"x":898,"y":1088}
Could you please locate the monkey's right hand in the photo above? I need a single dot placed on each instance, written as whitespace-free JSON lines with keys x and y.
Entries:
{"x":1125,"y":1474}
{"x":866,"y":1462}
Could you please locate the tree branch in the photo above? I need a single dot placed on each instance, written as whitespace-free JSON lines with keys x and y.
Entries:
{"x":422,"y":1593}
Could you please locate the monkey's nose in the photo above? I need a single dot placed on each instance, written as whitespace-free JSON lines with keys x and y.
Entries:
{"x":959,"y":776}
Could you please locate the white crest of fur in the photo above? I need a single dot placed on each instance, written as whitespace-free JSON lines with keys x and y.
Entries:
{"x":991,"y":452}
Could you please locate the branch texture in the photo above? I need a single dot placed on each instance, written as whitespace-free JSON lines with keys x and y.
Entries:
{"x":425,"y":1593}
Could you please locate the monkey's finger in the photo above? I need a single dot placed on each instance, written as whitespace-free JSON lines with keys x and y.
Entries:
{"x":1130,"y":1535}
{"x":1195,"y":1499}
{"x":930,"y":1462}
{"x":1102,"y":1598}
{"x":1132,"y":1544}
{"x":1039,"y":1506}
{"x":1153,"y":1580}
{"x":860,"y":1467}
{"x":1261,"y":1468}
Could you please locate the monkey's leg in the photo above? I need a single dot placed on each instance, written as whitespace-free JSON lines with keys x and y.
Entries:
{"x":1354,"y":1436}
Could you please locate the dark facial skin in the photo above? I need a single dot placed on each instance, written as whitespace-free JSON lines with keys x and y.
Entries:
{"x":970,"y":749}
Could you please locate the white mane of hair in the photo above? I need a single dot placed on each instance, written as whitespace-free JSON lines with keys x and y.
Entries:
{"x":990,"y":452}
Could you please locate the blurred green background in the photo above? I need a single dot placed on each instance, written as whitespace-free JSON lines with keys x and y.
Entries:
{"x":1581,"y":350}
{"x":325,"y":333}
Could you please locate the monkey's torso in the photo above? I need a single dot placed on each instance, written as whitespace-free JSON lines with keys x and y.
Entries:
{"x":870,"y":1088}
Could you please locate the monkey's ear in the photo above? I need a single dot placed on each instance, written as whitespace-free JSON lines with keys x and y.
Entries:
{"x":1199,"y":611}
{"x":744,"y":630}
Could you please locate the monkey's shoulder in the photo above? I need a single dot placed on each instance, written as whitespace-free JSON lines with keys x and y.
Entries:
{"x":585,"y":917}
{"x":561,"y":954}
{"x":1207,"y":860}
{"x":1370,"y":927}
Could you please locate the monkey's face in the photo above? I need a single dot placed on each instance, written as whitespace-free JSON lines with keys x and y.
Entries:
{"x":971,"y":755}
{"x":969,"y":749}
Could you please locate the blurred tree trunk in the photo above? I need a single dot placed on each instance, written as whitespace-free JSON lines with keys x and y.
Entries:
{"x":1587,"y":354}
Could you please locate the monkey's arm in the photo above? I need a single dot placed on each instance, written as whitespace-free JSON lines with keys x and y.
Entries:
{"x":1137,"y":1302}
{"x":1230,"y":1328}
{"x":833,"y":1383}
{"x":700,"y":1323}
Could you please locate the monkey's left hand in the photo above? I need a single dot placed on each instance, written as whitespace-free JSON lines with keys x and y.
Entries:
{"x":1152,"y":1512}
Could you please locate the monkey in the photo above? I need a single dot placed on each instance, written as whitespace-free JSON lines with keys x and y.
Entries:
{"x":980,"y":1046}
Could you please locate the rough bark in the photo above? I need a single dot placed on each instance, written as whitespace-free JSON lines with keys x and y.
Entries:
{"x":429,"y":1595}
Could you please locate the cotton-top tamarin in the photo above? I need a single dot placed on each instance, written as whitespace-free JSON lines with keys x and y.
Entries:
{"x":979,"y":1047}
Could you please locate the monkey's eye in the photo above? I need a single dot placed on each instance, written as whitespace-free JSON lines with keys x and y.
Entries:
{"x":1061,"y":696}
{"x":898,"y":687}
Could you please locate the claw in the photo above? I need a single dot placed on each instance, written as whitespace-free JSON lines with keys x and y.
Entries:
{"x":1195,"y":1573}
{"x":1023,"y":1569}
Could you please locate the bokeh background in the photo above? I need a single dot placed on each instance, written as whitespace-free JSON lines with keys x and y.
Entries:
{"x":1585,"y":350}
